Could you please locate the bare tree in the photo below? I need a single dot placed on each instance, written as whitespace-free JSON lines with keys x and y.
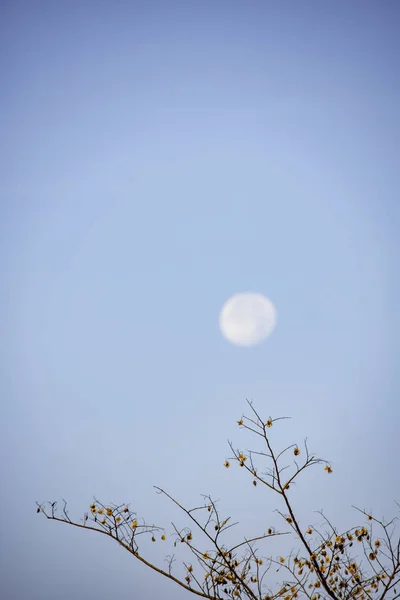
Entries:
{"x":362,"y":562}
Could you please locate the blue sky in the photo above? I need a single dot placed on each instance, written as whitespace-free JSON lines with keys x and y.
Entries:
{"x":156,"y":158}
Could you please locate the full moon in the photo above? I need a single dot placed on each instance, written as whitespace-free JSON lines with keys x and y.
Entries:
{"x":247,"y":319}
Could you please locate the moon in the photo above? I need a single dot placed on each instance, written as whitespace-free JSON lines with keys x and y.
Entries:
{"x":246,"y":319}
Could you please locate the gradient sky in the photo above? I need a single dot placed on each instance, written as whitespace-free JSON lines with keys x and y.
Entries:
{"x":156,"y":158}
